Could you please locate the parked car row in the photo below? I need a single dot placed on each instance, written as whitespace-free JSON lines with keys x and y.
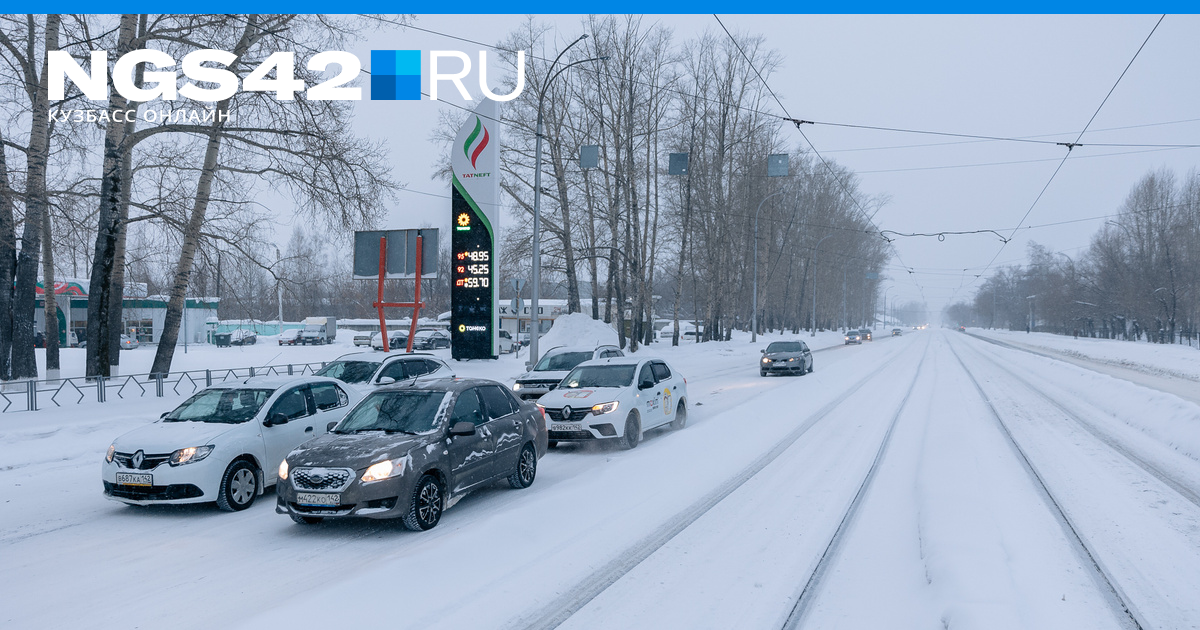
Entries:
{"x":393,"y":437}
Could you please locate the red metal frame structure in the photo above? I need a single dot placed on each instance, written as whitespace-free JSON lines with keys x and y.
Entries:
{"x":415,"y":305}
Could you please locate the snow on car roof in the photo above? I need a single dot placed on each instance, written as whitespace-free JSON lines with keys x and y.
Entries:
{"x":376,"y":357}
{"x":276,"y":382}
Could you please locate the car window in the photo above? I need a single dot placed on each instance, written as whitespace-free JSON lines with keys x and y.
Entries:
{"x":646,"y":374}
{"x":328,"y":396}
{"x":349,"y":371}
{"x":496,"y":401}
{"x":661,"y":371}
{"x":467,"y":409}
{"x":405,"y":411}
{"x":562,"y":361}
{"x":291,"y":404}
{"x":598,"y":376}
{"x":803,"y":347}
{"x":228,"y":406}
{"x":416,"y":367}
{"x":432,"y":366}
{"x":395,"y":370}
{"x":785,"y":346}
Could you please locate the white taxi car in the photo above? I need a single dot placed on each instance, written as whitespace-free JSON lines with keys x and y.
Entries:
{"x":616,"y":398}
{"x":223,"y":444}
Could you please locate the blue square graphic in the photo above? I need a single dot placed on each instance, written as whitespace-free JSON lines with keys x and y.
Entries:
{"x":395,"y":75}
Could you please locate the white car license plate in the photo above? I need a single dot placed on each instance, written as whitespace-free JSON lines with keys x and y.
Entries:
{"x":135,"y":479}
{"x":566,"y":427}
{"x":306,"y":498}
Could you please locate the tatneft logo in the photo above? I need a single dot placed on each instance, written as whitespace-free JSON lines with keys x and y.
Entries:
{"x":471,"y":140}
{"x":395,"y":76}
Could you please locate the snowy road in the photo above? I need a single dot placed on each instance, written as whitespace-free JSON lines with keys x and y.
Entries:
{"x":880,"y":491}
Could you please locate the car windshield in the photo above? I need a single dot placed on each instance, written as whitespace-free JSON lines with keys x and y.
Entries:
{"x":785,"y":346}
{"x":562,"y":361}
{"x":349,"y":371}
{"x":227,"y":406}
{"x":403,"y":412}
{"x":599,"y":376}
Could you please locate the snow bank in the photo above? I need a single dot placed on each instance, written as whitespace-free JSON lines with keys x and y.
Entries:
{"x":577,"y":329}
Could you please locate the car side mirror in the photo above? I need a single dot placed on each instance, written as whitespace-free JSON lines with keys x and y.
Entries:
{"x":385,"y":380}
{"x":763,"y":351}
{"x":329,"y":427}
{"x":164,"y":415}
{"x":646,"y":384}
{"x":463,"y":428}
{"x":274,"y":419}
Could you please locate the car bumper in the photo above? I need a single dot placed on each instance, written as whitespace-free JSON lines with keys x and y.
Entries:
{"x":795,"y":366}
{"x":390,"y":498}
{"x":600,"y":429}
{"x":189,"y":483}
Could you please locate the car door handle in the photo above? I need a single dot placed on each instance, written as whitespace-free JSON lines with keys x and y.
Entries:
{"x":308,"y":429}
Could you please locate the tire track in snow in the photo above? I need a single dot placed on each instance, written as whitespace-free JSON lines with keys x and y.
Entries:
{"x":1118,"y":600}
{"x":558,"y":611}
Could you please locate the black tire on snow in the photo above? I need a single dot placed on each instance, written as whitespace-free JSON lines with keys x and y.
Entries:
{"x":239,"y":487}
{"x":762,"y":372}
{"x":526,"y":470}
{"x":680,"y":419}
{"x":425,"y":509}
{"x":552,"y":444}
{"x":633,"y":432}
{"x":306,"y":520}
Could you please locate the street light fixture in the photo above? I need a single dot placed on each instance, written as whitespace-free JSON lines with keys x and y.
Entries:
{"x":535,"y":280}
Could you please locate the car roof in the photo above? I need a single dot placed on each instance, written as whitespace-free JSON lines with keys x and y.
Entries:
{"x":449,"y":384}
{"x":275,"y":382}
{"x":564,"y":349}
{"x":627,"y":360}
{"x":375,"y":357}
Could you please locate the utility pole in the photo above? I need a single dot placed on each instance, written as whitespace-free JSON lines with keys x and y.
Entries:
{"x":754,"y":292}
{"x":816,"y":248}
{"x":844,"y":324}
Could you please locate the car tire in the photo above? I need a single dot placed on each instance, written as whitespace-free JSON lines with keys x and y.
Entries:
{"x":810,"y":368}
{"x":239,"y":487}
{"x":633,"y":432}
{"x":680,"y":419}
{"x":306,"y":520}
{"x":526,"y":470}
{"x":425,"y":510}
{"x":552,"y":444}
{"x":762,"y":372}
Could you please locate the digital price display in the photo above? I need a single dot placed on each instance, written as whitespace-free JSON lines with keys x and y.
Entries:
{"x":472,"y":290}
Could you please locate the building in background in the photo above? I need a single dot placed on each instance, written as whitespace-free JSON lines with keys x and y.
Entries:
{"x":143,"y":315}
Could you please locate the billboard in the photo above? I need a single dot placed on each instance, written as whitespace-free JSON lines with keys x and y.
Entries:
{"x":401,"y":254}
{"x":474,"y":224}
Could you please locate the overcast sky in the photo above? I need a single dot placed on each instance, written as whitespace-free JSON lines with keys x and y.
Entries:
{"x":1010,"y":76}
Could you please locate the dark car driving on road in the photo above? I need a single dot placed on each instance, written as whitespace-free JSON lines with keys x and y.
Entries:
{"x":786,"y":357}
{"x":410,"y":451}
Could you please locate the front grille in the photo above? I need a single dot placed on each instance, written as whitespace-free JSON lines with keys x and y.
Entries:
{"x":321,"y":478}
{"x":571,"y":435}
{"x":153,"y":493}
{"x":322,"y":510}
{"x":539,"y":384}
{"x":557,"y":415}
{"x":125,"y":460}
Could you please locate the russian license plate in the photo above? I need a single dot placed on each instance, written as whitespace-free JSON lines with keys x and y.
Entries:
{"x":566,"y":427}
{"x":135,"y":479}
{"x":322,"y":500}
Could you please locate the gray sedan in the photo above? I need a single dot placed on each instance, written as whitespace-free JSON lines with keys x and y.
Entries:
{"x":408,"y":452}
{"x":786,"y":357}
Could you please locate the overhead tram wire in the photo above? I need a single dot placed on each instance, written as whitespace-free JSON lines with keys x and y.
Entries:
{"x":836,"y":177}
{"x":1071,"y":146}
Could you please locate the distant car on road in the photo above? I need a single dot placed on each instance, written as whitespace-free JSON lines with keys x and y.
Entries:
{"x":289,"y":337}
{"x":128,"y":343}
{"x":896,"y":332}
{"x":555,"y":364}
{"x":397,"y":339}
{"x":852,"y":336}
{"x":507,"y":345}
{"x":410,"y":452}
{"x":370,"y":369}
{"x":786,"y":357}
{"x":865,"y":334}
{"x":363,"y":338}
{"x":616,"y":399}
{"x":431,"y":339}
{"x":243,"y":337}
{"x":224,"y":443}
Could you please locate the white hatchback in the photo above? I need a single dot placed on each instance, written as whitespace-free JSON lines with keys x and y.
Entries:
{"x":617,"y":398}
{"x":223,"y":444}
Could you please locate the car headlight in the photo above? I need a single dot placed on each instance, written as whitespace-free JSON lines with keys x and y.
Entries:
{"x":766,"y":360}
{"x":604,"y":408}
{"x":516,"y":386}
{"x":792,"y":360}
{"x":189,"y":455}
{"x":283,"y":469}
{"x":383,"y":470}
{"x":112,"y":450}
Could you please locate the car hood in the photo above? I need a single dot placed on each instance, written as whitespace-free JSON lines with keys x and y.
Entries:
{"x":783,"y":355}
{"x":581,"y":397}
{"x":544,"y":375}
{"x":356,"y":450}
{"x":165,"y":437}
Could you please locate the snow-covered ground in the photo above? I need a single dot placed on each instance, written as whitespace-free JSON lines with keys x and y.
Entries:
{"x":885,"y":490}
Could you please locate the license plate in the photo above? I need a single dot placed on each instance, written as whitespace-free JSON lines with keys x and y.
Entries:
{"x":566,"y":427}
{"x":135,"y":479}
{"x":305,"y":498}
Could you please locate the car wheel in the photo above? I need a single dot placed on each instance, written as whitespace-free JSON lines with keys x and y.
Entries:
{"x":306,"y":520}
{"x":526,"y":470}
{"x":633,"y":431}
{"x":239,"y":487}
{"x":552,"y":444}
{"x":680,"y":420}
{"x":810,"y":368}
{"x":426,"y":508}
{"x":762,"y":372}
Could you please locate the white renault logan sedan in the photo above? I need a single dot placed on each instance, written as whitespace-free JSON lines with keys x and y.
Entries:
{"x":223,"y":444}
{"x":617,"y":398}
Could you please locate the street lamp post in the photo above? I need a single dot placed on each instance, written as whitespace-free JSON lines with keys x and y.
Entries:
{"x":535,"y":280}
{"x":816,"y":249}
{"x":754,"y":293}
{"x":885,"y":293}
